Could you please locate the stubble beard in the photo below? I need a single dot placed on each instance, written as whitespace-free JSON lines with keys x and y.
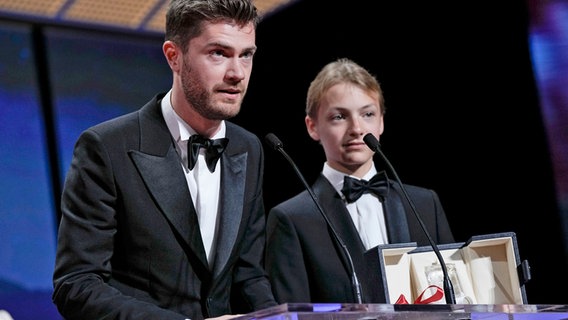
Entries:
{"x":200,"y":99}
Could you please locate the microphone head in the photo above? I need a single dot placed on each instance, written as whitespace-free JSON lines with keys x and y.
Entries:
{"x":372,"y":142}
{"x":273,"y":141}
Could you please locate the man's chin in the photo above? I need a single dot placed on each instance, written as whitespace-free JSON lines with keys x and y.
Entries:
{"x":225,"y":112}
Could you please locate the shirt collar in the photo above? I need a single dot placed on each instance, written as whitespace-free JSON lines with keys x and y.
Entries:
{"x":336,"y":177}
{"x":179,"y":129}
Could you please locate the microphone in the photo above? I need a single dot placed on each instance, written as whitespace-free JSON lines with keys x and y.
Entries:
{"x":277,"y":145}
{"x":374,"y":145}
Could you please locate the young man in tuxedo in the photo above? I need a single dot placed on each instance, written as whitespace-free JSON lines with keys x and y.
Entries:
{"x":304,"y":259}
{"x":163,"y":215}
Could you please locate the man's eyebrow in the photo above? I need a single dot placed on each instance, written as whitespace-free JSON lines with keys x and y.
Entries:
{"x":229,"y":47}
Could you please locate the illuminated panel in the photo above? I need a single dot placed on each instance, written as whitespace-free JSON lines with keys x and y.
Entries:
{"x":158,"y":21}
{"x":43,"y":8}
{"x":266,"y":6}
{"x":128,"y":13}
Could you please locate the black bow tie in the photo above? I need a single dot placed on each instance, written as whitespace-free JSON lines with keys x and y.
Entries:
{"x":353,"y":188}
{"x":213,"y":150}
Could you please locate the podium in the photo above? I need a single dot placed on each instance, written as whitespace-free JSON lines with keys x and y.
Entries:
{"x":327,"y":311}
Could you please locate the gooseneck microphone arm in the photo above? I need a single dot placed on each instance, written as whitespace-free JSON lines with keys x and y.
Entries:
{"x":374,"y":145}
{"x":277,"y":145}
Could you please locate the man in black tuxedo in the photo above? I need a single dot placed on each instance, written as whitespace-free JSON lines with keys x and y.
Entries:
{"x":304,"y":260}
{"x":159,"y":221}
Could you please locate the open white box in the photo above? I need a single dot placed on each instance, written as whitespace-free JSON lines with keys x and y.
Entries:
{"x":484,"y":270}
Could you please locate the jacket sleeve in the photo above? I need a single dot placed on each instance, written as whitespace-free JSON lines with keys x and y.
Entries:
{"x":86,"y":242}
{"x":284,"y":258}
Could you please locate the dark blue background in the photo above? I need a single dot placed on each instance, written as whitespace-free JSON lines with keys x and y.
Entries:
{"x":476,"y":109}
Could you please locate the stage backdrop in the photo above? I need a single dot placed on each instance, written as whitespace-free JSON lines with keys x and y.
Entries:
{"x":476,"y":109}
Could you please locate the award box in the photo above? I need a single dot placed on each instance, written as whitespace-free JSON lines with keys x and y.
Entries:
{"x":484,"y":270}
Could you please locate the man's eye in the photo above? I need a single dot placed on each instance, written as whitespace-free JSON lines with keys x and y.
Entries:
{"x":248,"y":55}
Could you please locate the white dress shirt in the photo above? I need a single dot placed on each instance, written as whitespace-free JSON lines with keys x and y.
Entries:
{"x":203,"y":185}
{"x":366,"y":213}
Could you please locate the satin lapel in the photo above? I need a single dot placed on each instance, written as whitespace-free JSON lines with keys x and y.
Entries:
{"x":397,"y":225}
{"x":335,"y":209}
{"x":164,"y":179}
{"x":231,"y":206}
{"x":160,"y":168}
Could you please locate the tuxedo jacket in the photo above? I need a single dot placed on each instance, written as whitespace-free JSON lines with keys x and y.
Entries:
{"x":307,"y":264}
{"x":129,"y":243}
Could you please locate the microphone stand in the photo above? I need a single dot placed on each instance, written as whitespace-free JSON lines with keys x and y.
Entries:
{"x":277,"y":145}
{"x":374,"y":144}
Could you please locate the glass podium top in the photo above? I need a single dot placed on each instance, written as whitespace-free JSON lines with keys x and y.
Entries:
{"x":332,"y":311}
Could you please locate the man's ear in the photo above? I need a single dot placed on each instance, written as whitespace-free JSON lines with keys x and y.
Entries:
{"x":312,"y":129}
{"x":381,"y":126}
{"x":172,"y":54}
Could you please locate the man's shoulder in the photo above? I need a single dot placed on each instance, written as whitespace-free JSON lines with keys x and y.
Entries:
{"x":297,"y":203}
{"x":245,"y":138}
{"x":413,"y":187}
{"x":234,"y":129}
{"x":151,"y":107}
{"x":417,"y":192}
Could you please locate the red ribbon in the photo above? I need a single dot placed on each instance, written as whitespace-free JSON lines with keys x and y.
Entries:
{"x":438,"y":295}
